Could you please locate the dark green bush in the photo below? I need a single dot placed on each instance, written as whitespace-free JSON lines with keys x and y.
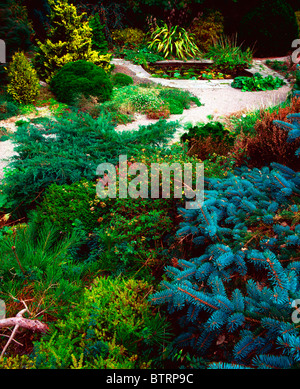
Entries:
{"x":215,"y":130}
{"x":8,"y":109}
{"x":99,"y":41}
{"x":81,"y":77}
{"x":271,"y":26}
{"x":121,"y":79}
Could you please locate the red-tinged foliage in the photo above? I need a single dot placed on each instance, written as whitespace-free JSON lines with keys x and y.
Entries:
{"x":269,"y":144}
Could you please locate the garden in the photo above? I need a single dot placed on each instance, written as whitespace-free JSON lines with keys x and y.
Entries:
{"x":143,"y":282}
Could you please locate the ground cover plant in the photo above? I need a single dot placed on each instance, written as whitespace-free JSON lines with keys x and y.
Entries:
{"x":152,"y":100}
{"x":257,"y":83}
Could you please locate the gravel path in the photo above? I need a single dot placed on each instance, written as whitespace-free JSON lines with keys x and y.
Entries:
{"x":218,"y":97}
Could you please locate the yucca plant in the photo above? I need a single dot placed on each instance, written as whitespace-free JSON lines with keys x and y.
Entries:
{"x":174,"y":41}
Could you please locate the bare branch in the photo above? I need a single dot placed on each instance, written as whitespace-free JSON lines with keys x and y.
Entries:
{"x":33,"y":325}
{"x":20,"y":321}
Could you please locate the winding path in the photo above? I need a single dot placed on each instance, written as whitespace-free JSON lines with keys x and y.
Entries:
{"x":217,"y":96}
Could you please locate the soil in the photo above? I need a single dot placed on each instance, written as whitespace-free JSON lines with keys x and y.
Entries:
{"x":196,"y":71}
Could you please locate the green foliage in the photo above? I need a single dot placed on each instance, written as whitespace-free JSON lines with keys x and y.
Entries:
{"x":23,"y":80}
{"x":70,"y":149}
{"x":275,"y":28}
{"x":8,"y":109}
{"x":99,"y":42}
{"x":175,"y":106}
{"x":36,"y":260}
{"x":257,"y":83}
{"x":174,"y":41}
{"x":228,"y":56}
{"x":297,"y":83}
{"x":140,"y":56}
{"x":216,"y":130}
{"x":207,"y":29}
{"x":63,"y":204}
{"x":113,"y":327}
{"x":208,"y":141}
{"x":121,"y":79}
{"x":297,"y":13}
{"x":277,"y":65}
{"x":81,"y":77}
{"x":183,"y":97}
{"x":129,"y":37}
{"x":70,"y":40}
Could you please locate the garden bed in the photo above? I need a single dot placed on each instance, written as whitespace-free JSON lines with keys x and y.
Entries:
{"x":192,"y":71}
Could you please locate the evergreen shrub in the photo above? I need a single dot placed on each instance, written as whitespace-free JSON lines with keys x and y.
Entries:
{"x":99,"y":42}
{"x":121,"y":79}
{"x":241,"y":275}
{"x":8,"y":109}
{"x":114,"y":327}
{"x":206,"y":140}
{"x":81,"y":77}
{"x":69,"y":40}
{"x":23,"y":80}
{"x":234,"y":296}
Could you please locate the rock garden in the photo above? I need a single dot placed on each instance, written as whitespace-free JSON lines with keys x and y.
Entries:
{"x":94,"y":94}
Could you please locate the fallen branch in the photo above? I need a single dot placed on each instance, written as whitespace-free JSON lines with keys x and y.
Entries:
{"x":20,"y":321}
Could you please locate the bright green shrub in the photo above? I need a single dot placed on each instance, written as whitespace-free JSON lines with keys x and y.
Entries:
{"x":131,"y":37}
{"x":63,"y":204}
{"x":175,"y":107}
{"x":81,"y":77}
{"x":113,"y":327}
{"x":257,"y":83}
{"x":142,"y":56}
{"x":275,"y":28}
{"x":23,"y":80}
{"x":99,"y":42}
{"x":207,"y":29}
{"x":70,"y":40}
{"x":121,"y":79}
{"x":182,"y":96}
